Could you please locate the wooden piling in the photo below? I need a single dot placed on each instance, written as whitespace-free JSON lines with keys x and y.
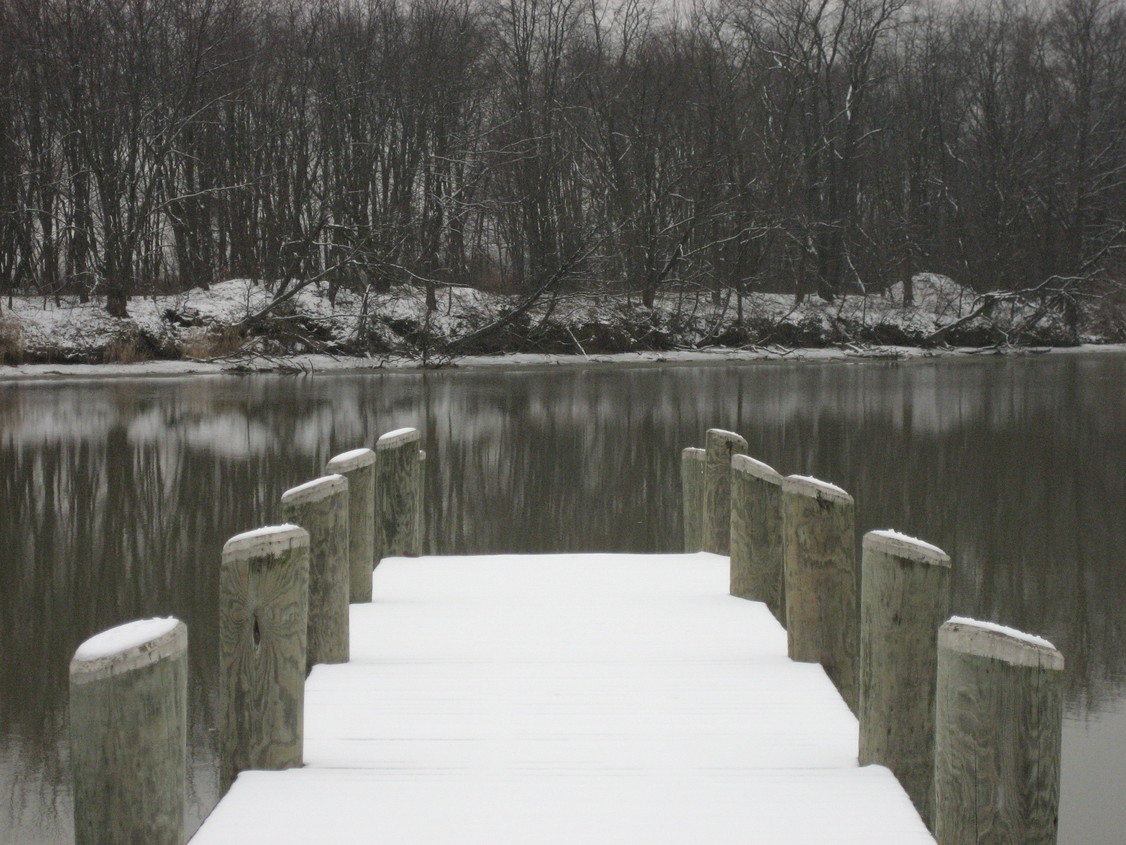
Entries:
{"x":998,"y":729}
{"x":756,"y":534}
{"x":128,"y":734}
{"x":819,"y":557}
{"x":396,"y":492}
{"x":263,"y":619}
{"x":720,"y":446}
{"x":692,"y":462}
{"x":358,"y":466}
{"x":904,"y":599}
{"x":321,"y":508}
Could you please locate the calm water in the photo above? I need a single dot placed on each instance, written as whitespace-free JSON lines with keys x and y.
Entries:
{"x":116,"y":497}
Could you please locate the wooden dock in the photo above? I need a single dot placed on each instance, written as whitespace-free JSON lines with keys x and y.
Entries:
{"x":576,"y":698}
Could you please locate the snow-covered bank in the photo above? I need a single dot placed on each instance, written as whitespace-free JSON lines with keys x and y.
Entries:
{"x":232,"y":327}
{"x":313,"y":364}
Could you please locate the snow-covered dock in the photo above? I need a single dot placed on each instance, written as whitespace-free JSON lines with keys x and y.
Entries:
{"x":578,"y":698}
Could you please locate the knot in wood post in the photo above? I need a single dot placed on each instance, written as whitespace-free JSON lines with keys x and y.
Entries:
{"x":819,"y":557}
{"x":263,"y":620}
{"x":692,"y":463}
{"x":321,"y":508}
{"x":396,"y":492}
{"x":904,"y":598}
{"x":128,"y":733}
{"x":998,"y":730}
{"x":756,"y":534}
{"x":358,"y":467}
{"x":719,"y":445}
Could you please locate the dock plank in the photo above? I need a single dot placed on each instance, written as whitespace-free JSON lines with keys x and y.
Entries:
{"x":565,"y":698}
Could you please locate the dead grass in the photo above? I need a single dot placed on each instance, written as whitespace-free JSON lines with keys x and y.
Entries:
{"x":13,"y":349}
{"x":212,"y":342}
{"x":126,"y":348}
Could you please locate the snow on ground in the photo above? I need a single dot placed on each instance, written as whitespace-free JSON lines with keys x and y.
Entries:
{"x":318,"y":330}
{"x":568,"y":698}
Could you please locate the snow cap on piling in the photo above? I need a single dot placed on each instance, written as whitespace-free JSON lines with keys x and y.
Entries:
{"x":127,"y":647}
{"x":755,"y":468}
{"x":809,"y":486}
{"x":348,"y":461}
{"x":396,"y":438}
{"x":316,"y":490}
{"x":998,"y":642}
{"x":271,"y":540}
{"x":900,"y":545}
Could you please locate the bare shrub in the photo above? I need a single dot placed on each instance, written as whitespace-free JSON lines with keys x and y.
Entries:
{"x":212,"y":342}
{"x":12,"y":346}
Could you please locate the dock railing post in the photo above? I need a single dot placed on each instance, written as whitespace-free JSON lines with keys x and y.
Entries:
{"x":396,"y":493}
{"x":128,"y":733}
{"x":321,"y":508}
{"x":998,"y":729}
{"x":692,"y":461}
{"x":904,"y":598}
{"x":720,"y":446}
{"x":263,"y":620}
{"x":819,"y":556}
{"x":756,"y":534}
{"x":358,"y":466}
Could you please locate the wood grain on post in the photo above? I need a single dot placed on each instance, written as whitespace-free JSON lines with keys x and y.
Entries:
{"x":396,"y":480}
{"x":998,"y":729}
{"x":819,"y":557}
{"x":358,"y":466}
{"x":720,"y":446}
{"x":904,"y":599}
{"x":756,"y":534}
{"x":128,"y":733}
{"x":321,"y":508}
{"x":263,"y":618}
{"x":692,"y":462}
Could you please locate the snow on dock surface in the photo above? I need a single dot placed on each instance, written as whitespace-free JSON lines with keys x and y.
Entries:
{"x":586,"y":698}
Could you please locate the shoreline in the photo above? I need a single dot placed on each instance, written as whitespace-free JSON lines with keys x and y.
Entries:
{"x":312,"y":365}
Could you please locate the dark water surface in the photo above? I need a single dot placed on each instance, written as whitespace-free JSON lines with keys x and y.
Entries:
{"x":117,"y":495}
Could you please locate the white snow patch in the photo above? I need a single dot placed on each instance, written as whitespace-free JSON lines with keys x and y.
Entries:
{"x":271,"y":539}
{"x":397,"y":437}
{"x":808,"y":484}
{"x":568,"y":698}
{"x":316,"y":490}
{"x":124,"y":637}
{"x":898,"y":540}
{"x":352,"y":459}
{"x":754,"y":467}
{"x":995,"y":628}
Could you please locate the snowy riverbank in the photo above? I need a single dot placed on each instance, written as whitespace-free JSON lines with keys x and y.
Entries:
{"x":232,"y":328}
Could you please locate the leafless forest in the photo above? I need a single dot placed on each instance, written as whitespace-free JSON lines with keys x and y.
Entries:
{"x":809,"y":146}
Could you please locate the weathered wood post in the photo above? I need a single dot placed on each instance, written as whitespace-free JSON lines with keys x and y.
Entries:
{"x":416,"y":548}
{"x":128,"y":733}
{"x":904,"y":599}
{"x":819,"y":556}
{"x":396,"y":481}
{"x":263,"y":618}
{"x":692,"y":462}
{"x":998,"y":730}
{"x":321,"y":508}
{"x":720,"y":446}
{"x":358,"y":466}
{"x":756,"y":534}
